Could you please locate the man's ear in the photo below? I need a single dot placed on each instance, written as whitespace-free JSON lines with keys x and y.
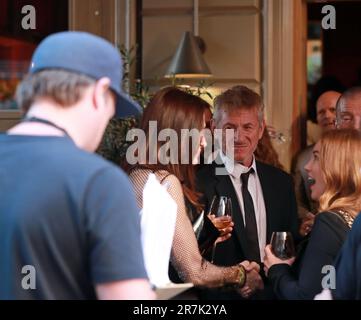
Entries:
{"x":100,"y":92}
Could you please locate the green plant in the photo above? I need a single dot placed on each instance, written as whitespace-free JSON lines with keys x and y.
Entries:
{"x":114,"y":145}
{"x":200,"y":89}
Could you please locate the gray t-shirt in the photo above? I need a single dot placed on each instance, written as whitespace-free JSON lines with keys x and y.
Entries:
{"x":69,"y":215}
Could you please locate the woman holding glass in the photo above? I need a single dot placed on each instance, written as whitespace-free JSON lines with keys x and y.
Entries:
{"x":334,"y":172}
{"x":172,"y":108}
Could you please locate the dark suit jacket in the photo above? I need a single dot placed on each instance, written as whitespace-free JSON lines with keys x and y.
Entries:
{"x":304,"y":279}
{"x":280,"y":203}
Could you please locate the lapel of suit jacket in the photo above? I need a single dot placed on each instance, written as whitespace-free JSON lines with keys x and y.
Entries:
{"x":224,"y":187}
{"x":267,"y":188}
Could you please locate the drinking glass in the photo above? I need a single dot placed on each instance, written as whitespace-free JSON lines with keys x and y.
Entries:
{"x":221,"y":208}
{"x":282,"y":245}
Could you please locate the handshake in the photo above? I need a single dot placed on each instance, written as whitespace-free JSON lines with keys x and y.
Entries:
{"x":253,"y":282}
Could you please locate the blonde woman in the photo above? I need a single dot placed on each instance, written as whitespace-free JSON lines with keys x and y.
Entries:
{"x":336,"y":183}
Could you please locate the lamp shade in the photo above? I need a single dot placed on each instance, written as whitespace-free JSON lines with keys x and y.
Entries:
{"x":188,"y":61}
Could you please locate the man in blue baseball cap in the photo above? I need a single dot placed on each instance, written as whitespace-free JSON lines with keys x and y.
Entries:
{"x":82,"y":53}
{"x":69,"y":224}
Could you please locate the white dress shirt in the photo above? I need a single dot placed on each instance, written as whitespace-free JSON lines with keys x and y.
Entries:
{"x":254,"y":187}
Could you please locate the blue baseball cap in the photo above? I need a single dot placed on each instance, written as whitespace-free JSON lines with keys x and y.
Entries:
{"x":87,"y":54}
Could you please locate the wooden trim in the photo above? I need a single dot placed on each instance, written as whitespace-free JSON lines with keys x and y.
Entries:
{"x":230,"y":10}
{"x":71,"y":15}
{"x":285,"y":88}
{"x":325,"y":2}
{"x":10,"y":114}
{"x":116,"y":22}
{"x":154,"y":12}
{"x":9,"y":118}
{"x":139,"y":39}
{"x":94,"y":16}
{"x":278,"y":71}
{"x":300,"y":77}
{"x":212,"y":80}
{"x":203,"y":11}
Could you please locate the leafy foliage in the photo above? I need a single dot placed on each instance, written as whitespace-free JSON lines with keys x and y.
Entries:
{"x":114,"y":145}
{"x":201,"y":88}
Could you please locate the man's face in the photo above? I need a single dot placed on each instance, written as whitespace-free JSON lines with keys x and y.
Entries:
{"x":326,"y":110}
{"x":350,"y":113}
{"x":247,"y":131}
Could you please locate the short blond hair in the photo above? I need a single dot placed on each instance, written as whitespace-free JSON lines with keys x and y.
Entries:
{"x":340,"y":162}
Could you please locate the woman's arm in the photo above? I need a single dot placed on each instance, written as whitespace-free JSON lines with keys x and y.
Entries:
{"x":325,"y":242}
{"x":186,"y":258}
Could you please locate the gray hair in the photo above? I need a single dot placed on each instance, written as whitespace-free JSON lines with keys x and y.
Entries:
{"x":237,"y":98}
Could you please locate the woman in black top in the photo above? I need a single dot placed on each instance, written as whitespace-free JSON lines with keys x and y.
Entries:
{"x":336,"y":183}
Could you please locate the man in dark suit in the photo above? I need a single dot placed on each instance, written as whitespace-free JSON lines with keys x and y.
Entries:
{"x":263,"y":198}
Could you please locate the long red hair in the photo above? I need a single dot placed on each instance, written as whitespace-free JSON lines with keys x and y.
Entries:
{"x":173,"y":108}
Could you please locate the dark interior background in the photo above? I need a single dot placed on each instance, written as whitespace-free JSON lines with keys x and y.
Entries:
{"x":51,"y":16}
{"x":341,"y":48}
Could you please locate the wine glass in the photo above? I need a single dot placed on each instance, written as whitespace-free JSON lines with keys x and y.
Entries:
{"x":282,"y":245}
{"x":221,"y":208}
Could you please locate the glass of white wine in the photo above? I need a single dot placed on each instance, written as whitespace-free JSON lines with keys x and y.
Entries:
{"x":221,"y":209}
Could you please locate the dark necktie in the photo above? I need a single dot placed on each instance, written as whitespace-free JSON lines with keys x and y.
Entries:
{"x":250,"y":219}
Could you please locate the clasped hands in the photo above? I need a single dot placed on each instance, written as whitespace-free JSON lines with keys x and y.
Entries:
{"x":254,"y":281}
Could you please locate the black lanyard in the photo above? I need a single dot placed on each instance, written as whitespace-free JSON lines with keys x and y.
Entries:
{"x":47,"y":122}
